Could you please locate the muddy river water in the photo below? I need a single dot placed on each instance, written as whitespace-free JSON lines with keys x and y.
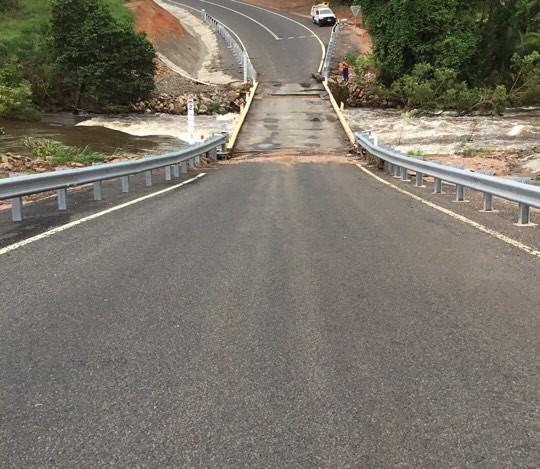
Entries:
{"x":136,"y":134}
{"x":450,"y":134}
{"x":133,"y":134}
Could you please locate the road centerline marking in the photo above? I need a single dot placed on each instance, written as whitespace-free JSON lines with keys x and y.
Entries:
{"x":311,"y":33}
{"x":266,"y":28}
{"x":493,"y":233}
{"x":80,"y":221}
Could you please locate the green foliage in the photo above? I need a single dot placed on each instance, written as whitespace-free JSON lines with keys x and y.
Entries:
{"x":57,"y":153}
{"x":102,"y":61}
{"x":432,"y":88}
{"x":456,"y":54}
{"x":526,"y":74}
{"x":407,"y":32}
{"x":15,"y":94}
{"x":213,"y":107}
{"x":9,"y":5}
{"x":416,"y":154}
{"x":361,"y":64}
{"x":116,"y":63}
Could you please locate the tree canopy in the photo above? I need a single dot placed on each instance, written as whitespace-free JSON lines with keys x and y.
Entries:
{"x":101,"y":60}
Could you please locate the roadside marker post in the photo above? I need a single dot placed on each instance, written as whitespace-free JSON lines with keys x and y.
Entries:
{"x":191,"y":120}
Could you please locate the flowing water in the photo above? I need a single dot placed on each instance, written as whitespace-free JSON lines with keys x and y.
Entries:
{"x":133,"y":134}
{"x":169,"y":125}
{"x":450,"y":134}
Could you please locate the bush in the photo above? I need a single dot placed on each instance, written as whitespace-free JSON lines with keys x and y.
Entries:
{"x":525,"y":89}
{"x":15,"y":94}
{"x":57,"y":153}
{"x":432,"y":88}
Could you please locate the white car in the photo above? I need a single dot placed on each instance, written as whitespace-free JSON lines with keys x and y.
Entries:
{"x":321,"y":14}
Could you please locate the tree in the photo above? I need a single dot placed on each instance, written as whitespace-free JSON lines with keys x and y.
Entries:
{"x":476,"y":38}
{"x":102,"y":62}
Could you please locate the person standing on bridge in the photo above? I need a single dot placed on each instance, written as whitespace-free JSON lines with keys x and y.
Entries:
{"x":345,"y":71}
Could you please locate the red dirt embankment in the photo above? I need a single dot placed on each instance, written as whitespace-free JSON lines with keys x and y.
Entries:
{"x":166,"y":33}
{"x":156,"y":22}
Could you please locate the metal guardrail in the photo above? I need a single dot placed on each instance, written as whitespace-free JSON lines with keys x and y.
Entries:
{"x":399,"y":165}
{"x":174,"y":163}
{"x":330,"y":50}
{"x":239,"y":52}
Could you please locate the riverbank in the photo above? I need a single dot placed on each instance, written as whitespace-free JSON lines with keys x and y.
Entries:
{"x":505,"y":146}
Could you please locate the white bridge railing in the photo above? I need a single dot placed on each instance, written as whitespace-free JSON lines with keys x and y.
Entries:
{"x":237,"y":49}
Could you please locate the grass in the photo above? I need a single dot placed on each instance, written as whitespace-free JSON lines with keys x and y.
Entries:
{"x":25,"y":24}
{"x":416,"y":154}
{"x":57,"y":153}
{"x":472,"y":152}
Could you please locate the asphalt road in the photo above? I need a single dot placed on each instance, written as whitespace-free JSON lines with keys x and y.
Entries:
{"x":283,"y":48}
{"x":270,"y":315}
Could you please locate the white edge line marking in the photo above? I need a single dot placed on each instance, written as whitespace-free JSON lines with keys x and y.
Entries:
{"x":461,"y":218}
{"x":266,"y":28}
{"x":323,"y":48}
{"x":74,"y":223}
{"x":230,"y":29}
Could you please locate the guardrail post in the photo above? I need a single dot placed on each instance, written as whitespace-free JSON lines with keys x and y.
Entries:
{"x":16,"y":203}
{"x":61,"y":194}
{"x":438,"y":186}
{"x":98,"y":190}
{"x":16,"y":209}
{"x":404,"y":174}
{"x":419,"y":179}
{"x":524,"y":214}
{"x":212,"y":154}
{"x":184,"y":167}
{"x":176,"y":170}
{"x":488,"y":202}
{"x":397,"y":171}
{"x":168,"y":175}
{"x":61,"y":197}
{"x":460,"y":193}
{"x":125,"y":184}
{"x":198,"y":160}
{"x":148,"y":178}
